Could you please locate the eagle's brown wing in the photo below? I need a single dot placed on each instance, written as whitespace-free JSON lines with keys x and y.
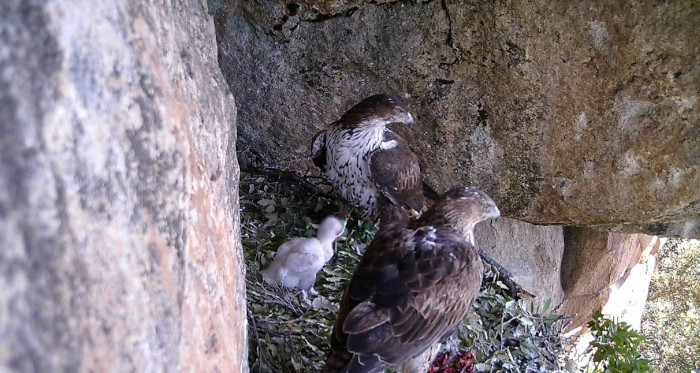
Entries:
{"x":411,"y":288}
{"x":396,"y":171}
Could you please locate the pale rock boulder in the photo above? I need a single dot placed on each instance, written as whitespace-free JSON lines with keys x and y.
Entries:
{"x":626,"y":301}
{"x":532,"y":254}
{"x":628,"y":295}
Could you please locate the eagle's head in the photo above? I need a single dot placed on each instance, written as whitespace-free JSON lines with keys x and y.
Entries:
{"x":377,"y":110}
{"x":461,"y":209}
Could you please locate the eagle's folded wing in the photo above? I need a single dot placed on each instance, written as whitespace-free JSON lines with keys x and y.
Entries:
{"x":404,"y":295}
{"x":396,"y":172}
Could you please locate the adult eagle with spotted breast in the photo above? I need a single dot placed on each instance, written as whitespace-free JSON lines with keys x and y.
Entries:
{"x":367,"y":163}
{"x":413,"y":286}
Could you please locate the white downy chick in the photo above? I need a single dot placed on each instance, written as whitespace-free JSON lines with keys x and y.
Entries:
{"x":298,"y":260}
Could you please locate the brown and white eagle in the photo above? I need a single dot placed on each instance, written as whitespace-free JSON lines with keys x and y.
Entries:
{"x":413,"y":286}
{"x":366,"y":162}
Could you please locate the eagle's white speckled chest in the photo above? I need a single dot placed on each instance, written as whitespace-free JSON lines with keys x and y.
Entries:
{"x":347,"y":157}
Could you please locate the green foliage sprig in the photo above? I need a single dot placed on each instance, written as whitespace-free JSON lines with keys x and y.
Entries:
{"x":616,"y":346}
{"x":509,"y":334}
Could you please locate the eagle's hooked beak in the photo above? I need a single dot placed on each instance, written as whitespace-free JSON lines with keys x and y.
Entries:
{"x":493,"y":212}
{"x":409,"y":119}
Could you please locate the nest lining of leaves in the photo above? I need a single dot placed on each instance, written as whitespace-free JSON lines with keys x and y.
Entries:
{"x":287,"y":334}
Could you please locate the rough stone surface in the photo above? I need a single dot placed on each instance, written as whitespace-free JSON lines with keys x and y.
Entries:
{"x":119,"y":229}
{"x":532,"y":254}
{"x":594,"y":265}
{"x":575,"y":113}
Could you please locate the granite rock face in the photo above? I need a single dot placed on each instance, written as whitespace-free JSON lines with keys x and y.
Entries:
{"x":566,"y":113}
{"x":118,"y":191}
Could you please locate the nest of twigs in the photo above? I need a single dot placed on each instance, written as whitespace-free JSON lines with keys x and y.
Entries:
{"x":287,"y":334}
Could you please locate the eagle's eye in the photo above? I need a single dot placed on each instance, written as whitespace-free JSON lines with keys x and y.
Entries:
{"x":386,"y":112}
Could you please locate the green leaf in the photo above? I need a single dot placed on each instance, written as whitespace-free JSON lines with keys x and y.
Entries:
{"x":547,"y":303}
{"x":526,"y":320}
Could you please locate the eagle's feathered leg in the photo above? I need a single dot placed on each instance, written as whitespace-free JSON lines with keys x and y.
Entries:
{"x":421,"y":363}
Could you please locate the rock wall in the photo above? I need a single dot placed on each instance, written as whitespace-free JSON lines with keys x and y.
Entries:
{"x":118,"y":191}
{"x":579,"y":270}
{"x":573,"y":113}
{"x":532,"y":254}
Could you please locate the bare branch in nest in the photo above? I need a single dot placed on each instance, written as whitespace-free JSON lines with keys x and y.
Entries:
{"x":514,"y":289}
{"x":302,"y":181}
{"x":270,"y":297}
{"x":261,"y":354}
